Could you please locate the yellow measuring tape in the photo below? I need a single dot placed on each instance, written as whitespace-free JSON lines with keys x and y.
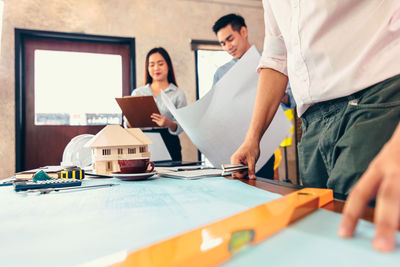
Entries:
{"x":72,"y":174}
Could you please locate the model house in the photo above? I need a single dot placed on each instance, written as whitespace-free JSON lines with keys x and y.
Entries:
{"x":113,"y":143}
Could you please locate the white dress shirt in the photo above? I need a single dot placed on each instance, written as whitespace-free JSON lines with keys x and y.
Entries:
{"x":331,"y":48}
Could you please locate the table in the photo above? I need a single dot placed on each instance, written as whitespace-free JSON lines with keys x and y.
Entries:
{"x":74,"y":227}
{"x":65,"y":229}
{"x":284,"y":188}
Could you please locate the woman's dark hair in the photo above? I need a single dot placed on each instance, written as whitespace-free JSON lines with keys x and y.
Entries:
{"x":164,"y":54}
{"x":236,"y":21}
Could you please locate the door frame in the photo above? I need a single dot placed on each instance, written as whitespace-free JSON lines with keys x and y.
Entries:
{"x":197,"y":45}
{"x":20,"y":36}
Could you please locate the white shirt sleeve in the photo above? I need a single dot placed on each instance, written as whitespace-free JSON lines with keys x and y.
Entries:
{"x":274,"y":54}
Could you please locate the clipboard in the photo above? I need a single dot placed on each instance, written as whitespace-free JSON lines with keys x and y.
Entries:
{"x":137,"y":109}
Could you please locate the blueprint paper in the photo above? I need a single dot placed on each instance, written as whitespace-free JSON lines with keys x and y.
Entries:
{"x":90,"y":225}
{"x":218,"y":122}
{"x":71,"y":228}
{"x":313,"y":241}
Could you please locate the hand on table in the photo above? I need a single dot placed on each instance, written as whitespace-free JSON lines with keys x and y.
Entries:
{"x":381,"y":179}
{"x":247,"y":154}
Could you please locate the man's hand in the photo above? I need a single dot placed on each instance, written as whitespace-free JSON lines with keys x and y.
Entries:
{"x":382,"y":179}
{"x":271,"y":87}
{"x":247,"y":154}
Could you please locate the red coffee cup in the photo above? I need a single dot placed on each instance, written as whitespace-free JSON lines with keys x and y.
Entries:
{"x":139,"y":165}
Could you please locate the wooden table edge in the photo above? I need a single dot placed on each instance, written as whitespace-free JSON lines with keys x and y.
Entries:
{"x":284,"y":188}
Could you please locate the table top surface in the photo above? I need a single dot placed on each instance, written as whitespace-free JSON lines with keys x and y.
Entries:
{"x":99,"y":221}
{"x":284,"y":188}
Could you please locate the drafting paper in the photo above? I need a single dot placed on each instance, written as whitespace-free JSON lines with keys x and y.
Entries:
{"x":40,"y":230}
{"x":313,"y":241}
{"x":218,"y":122}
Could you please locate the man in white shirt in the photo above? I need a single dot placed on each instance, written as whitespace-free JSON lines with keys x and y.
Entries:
{"x":342,"y":60}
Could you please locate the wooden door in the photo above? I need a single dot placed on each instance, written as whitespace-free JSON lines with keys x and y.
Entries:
{"x":44,"y":144}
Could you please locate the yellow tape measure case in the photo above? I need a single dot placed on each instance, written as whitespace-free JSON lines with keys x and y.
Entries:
{"x":72,"y":174}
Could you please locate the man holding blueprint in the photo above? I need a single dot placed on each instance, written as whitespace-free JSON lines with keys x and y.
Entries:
{"x":217,"y":123}
{"x":231,"y":31}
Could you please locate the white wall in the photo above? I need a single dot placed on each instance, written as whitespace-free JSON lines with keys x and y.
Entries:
{"x":168,"y":23}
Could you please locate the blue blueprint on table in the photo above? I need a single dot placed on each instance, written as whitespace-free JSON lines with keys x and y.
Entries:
{"x":69,"y":228}
{"x":102,"y":225}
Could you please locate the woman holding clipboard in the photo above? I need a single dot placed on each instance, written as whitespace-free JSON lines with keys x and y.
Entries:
{"x":159,"y":77}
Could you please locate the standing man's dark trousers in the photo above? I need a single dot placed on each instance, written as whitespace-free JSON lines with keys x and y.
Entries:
{"x":267,"y":171}
{"x":342,"y":136}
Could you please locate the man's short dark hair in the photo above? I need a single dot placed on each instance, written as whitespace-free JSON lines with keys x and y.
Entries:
{"x":236,"y":22}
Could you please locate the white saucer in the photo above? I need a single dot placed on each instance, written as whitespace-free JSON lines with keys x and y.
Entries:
{"x":133,"y":176}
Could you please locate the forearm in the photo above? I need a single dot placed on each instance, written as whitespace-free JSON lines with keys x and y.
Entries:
{"x":271,"y":88}
{"x":172,"y":125}
{"x":380,"y":180}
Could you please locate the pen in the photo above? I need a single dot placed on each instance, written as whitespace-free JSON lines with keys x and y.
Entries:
{"x":9,"y":181}
{"x":6,"y":183}
{"x":98,"y":175}
{"x":192,"y":169}
{"x":43,"y":191}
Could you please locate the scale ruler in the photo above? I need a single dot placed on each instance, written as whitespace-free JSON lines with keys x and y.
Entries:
{"x":215,"y":243}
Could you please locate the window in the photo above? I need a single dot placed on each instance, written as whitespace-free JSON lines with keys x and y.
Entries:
{"x":131,"y":150}
{"x":64,"y":89}
{"x":106,"y":152}
{"x":142,"y":149}
{"x":208,"y":61}
{"x":120,"y":151}
{"x":209,"y":56}
{"x":109,"y":165}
